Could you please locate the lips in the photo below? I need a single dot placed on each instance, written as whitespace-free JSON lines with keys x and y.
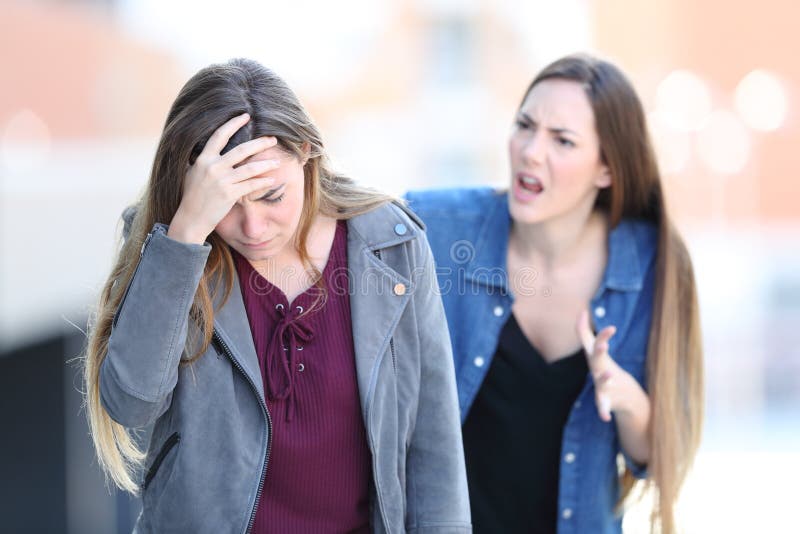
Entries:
{"x":257,"y":245}
{"x":530,"y":183}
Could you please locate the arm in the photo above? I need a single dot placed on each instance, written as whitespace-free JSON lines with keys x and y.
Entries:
{"x":438,"y":500}
{"x":148,"y":335}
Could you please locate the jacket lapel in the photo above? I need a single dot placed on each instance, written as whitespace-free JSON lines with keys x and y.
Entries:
{"x":233,"y":327}
{"x":375,"y":306}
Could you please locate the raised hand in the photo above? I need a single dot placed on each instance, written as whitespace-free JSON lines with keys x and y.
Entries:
{"x":615,"y":389}
{"x":215,"y":182}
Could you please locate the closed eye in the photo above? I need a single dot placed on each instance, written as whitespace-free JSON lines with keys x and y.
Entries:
{"x":270,"y":198}
{"x":273,"y":200}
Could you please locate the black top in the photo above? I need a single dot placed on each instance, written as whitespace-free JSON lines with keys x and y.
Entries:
{"x":512,"y":436}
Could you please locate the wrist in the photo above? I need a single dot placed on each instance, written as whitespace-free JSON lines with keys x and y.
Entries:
{"x":635,"y":402}
{"x":180,"y":231}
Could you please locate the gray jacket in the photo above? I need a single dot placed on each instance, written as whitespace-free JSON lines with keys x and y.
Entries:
{"x":210,"y":426}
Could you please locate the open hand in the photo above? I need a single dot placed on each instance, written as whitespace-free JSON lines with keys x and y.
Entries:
{"x":215,"y":182}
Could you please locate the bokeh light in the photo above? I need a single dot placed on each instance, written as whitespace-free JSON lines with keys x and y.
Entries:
{"x":684,"y":101}
{"x":761,"y":101}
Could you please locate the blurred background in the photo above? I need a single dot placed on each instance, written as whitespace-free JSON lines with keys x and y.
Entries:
{"x":408,"y":93}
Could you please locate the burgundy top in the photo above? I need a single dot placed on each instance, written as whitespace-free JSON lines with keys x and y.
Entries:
{"x":319,"y":467}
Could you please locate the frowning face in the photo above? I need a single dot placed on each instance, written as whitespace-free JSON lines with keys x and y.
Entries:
{"x":554,"y":153}
{"x":263,"y":224}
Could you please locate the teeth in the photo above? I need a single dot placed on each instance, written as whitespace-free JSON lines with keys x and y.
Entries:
{"x":530,"y":181}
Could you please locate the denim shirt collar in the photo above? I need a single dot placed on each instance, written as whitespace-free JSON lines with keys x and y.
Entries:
{"x":491,"y":246}
{"x":623,"y":269}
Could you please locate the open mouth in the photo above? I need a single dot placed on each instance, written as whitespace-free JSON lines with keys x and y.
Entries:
{"x":529,"y":183}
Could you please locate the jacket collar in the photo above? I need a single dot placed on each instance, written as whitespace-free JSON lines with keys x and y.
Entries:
{"x":385,"y":227}
{"x":488,"y":264}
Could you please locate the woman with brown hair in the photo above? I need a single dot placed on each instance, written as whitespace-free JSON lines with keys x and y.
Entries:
{"x":573,"y":315}
{"x":278,"y":329}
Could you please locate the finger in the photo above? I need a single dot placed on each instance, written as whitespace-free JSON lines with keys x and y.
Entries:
{"x":253,"y":169}
{"x":602,"y":378}
{"x":251,"y":185}
{"x":223,"y":134}
{"x":241,"y":152}
{"x":605,"y":335}
{"x":584,"y":330}
{"x":601,"y":344}
{"x":604,"y":407}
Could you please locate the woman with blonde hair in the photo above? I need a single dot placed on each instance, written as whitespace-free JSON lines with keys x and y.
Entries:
{"x":573,"y":315}
{"x":278,"y":329}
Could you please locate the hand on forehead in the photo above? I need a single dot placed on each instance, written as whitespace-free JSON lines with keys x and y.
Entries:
{"x":274,"y":153}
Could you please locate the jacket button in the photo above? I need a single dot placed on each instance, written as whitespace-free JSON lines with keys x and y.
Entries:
{"x":479,"y":361}
{"x":569,"y":457}
{"x":399,"y":289}
{"x":567,"y":513}
{"x":600,"y":311}
{"x":400,"y":229}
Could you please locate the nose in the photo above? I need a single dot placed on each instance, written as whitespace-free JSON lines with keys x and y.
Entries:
{"x":254,"y":223}
{"x":533,"y":148}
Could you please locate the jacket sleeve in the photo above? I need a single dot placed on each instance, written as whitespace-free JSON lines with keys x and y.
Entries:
{"x":149,"y":330}
{"x":438,"y":499}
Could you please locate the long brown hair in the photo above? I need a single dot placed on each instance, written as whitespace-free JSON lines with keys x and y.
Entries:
{"x":210,"y":98}
{"x":674,"y":356}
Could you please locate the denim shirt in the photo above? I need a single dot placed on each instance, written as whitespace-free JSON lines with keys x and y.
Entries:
{"x":468,"y":231}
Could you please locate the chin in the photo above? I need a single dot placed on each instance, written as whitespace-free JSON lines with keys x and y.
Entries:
{"x":524,"y":214}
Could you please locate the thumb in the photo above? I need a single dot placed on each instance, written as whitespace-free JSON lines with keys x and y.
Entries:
{"x":603,"y":407}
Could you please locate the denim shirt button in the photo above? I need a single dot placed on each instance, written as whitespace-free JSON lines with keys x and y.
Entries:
{"x":567,"y":513}
{"x":498,"y":311}
{"x":569,"y":457}
{"x":600,"y":312}
{"x":479,"y":361}
{"x":577,"y":404}
{"x":400,"y":229}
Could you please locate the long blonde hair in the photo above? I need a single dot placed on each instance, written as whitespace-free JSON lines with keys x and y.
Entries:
{"x":211,"y":97}
{"x":674,"y":356}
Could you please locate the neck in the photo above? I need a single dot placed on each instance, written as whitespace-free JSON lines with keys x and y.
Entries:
{"x":559,"y":241}
{"x":318,"y":245}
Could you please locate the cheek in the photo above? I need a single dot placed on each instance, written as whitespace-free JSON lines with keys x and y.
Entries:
{"x":575,"y":170}
{"x":227,"y":226}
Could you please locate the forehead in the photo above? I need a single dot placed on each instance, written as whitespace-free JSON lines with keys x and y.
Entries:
{"x":559,"y":104}
{"x":273,"y":152}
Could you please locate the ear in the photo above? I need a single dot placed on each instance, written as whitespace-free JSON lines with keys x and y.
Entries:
{"x":603,"y":178}
{"x":306,"y":152}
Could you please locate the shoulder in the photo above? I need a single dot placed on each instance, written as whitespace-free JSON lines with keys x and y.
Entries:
{"x":451,"y":202}
{"x":644,"y":235}
{"x":389,"y":214}
{"x":633,"y":246}
{"x":389,"y":224}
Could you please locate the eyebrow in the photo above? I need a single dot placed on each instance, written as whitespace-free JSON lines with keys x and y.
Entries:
{"x":271,"y":192}
{"x":528,"y":118}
